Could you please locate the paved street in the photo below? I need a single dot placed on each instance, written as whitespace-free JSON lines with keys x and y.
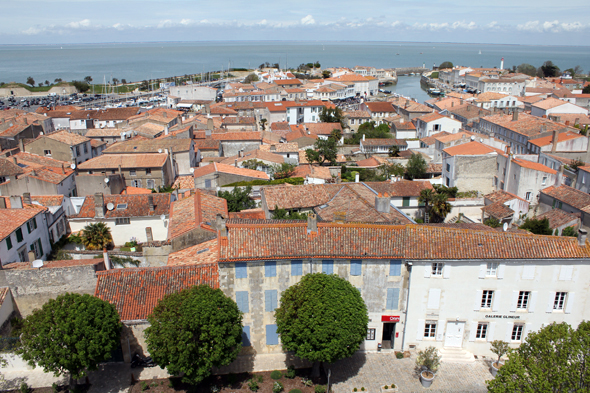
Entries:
{"x":368,"y":370}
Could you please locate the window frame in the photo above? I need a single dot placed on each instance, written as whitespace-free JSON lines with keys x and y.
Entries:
{"x":122,"y":221}
{"x":371,"y":334}
{"x":436,"y":269}
{"x":430,"y":329}
{"x":492,"y":269}
{"x":19,"y":235}
{"x":517,"y":331}
{"x":559,"y":301}
{"x":487,"y":298}
{"x":522,"y":303}
{"x":481,"y":332}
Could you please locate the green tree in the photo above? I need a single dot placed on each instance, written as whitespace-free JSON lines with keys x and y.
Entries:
{"x":326,"y":74}
{"x":569,"y":231}
{"x":554,"y":359}
{"x":47,"y":83}
{"x":388,"y":170}
{"x":253,"y":164}
{"x":88,"y":79}
{"x":283,"y":170}
{"x":282,"y":214}
{"x":57,"y":80}
{"x":537,"y":226}
{"x":416,"y":167}
{"x":586,"y":90}
{"x":527,"y":69}
{"x":440,"y":208}
{"x":123,"y":81}
{"x":71,"y":334}
{"x":323,"y":318}
{"x":331,"y":115}
{"x":81,"y":86}
{"x":194,"y":330}
{"x":325,"y":150}
{"x":251,"y":78}
{"x":369,"y":130}
{"x":492,"y":222}
{"x":451,"y":192}
{"x":394,"y":151}
{"x":263,"y":122}
{"x":426,"y":197}
{"x":445,"y":64}
{"x":238,"y":199}
{"x":31,"y":81}
{"x":576,"y":163}
{"x":548,"y":70}
{"x":96,"y":236}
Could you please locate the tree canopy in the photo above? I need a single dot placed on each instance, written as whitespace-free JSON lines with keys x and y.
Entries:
{"x":238,"y":199}
{"x":325,"y":150}
{"x":283,"y":170}
{"x":554,"y":359}
{"x":527,"y":69}
{"x":370,"y":131}
{"x":548,"y":70}
{"x":416,"y":167}
{"x":96,"y":236}
{"x":31,"y":81}
{"x":445,"y":64}
{"x":251,"y":78}
{"x":537,"y":226}
{"x":71,"y":334}
{"x":283,"y":214}
{"x":435,"y":204}
{"x":331,"y":115}
{"x":322,"y":318}
{"x":194,"y":330}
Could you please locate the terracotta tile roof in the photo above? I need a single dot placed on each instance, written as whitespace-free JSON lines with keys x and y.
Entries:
{"x":357,"y":115}
{"x":572,"y":118}
{"x":152,"y":129}
{"x":149,"y":286}
{"x":349,"y":78}
{"x":431,"y":140}
{"x":471,"y":149}
{"x":282,"y":82}
{"x":434,"y":168}
{"x":149,"y":146}
{"x":402,"y":188}
{"x":549,"y":103}
{"x":312,"y":171}
{"x":127,"y":161}
{"x":48,"y":200}
{"x":409,"y":105}
{"x":575,"y":198}
{"x":322,"y":128}
{"x":414,"y":242}
{"x":281,"y":148}
{"x":184,"y":182}
{"x":279,"y":126}
{"x":489,"y":96}
{"x":430,"y":117}
{"x":67,"y":138}
{"x":136,"y":206}
{"x":200,"y":254}
{"x":103,"y":132}
{"x":502,"y":196}
{"x":99,"y":262}
{"x":248,"y":120}
{"x":96,"y":143}
{"x":12,"y":219}
{"x":453,"y":137}
{"x":526,"y":124}
{"x":9,"y":168}
{"x":255,"y":155}
{"x":558,"y":217}
{"x":561,"y":137}
{"x":219,"y":167}
{"x":469,"y":111}
{"x":3,"y":292}
{"x":249,"y":214}
{"x":135,"y":191}
{"x":370,"y":162}
{"x":48,"y":174}
{"x":238,"y":136}
{"x":299,"y":132}
{"x":533,"y":166}
{"x":182,"y":213}
{"x":207,"y":144}
{"x":498,"y":210}
{"x":380,"y":106}
{"x":446,"y":103}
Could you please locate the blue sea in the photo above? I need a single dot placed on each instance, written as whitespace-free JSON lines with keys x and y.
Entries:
{"x":139,"y":61}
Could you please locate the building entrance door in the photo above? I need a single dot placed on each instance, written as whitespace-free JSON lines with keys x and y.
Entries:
{"x":388,"y":335}
{"x":454,"y":335}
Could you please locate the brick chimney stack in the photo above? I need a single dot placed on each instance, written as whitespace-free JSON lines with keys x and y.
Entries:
{"x":151,"y":202}
{"x":382,"y":203}
{"x":99,"y":205}
{"x":312,"y":223}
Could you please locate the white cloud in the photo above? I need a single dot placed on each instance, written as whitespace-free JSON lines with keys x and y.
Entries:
{"x":263,"y":22}
{"x":186,"y":22}
{"x":574,"y":26}
{"x":529,"y":26}
{"x":307,"y":20}
{"x":551,"y":26}
{"x":78,"y":25}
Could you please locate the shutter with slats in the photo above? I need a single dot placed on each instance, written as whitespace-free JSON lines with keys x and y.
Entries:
{"x":296,"y":267}
{"x":270,"y":299}
{"x":473,"y":331}
{"x":532,"y":302}
{"x":242,"y":301}
{"x":496,"y":301}
{"x":478,"y":296}
{"x":508,"y":336}
{"x":446,"y":271}
{"x":569,"y":305}
{"x":272,"y":338}
{"x":527,"y":329}
{"x":420,"y":330}
{"x":392,"y":299}
{"x":327,"y":266}
{"x":491,"y":330}
{"x":440,"y":332}
{"x":433,"y":299}
{"x":482,"y":270}
{"x":241,"y":270}
{"x":514,"y":301}
{"x":501,"y":269}
{"x":270,"y":269}
{"x":427,"y":270}
{"x":395,"y":267}
{"x":246,"y":336}
{"x":551,"y":302}
{"x":355,"y":267}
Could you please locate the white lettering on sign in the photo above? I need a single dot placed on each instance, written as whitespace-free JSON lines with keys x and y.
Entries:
{"x":503,"y":316}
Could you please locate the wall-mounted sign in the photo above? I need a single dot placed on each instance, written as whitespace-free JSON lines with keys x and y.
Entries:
{"x":503,"y":316}
{"x":390,"y":318}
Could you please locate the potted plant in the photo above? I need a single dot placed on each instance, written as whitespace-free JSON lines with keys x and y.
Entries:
{"x":389,"y":388}
{"x":500,"y":348}
{"x":428,"y":362}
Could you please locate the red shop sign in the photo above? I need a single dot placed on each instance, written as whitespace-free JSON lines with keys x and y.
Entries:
{"x":389,"y":318}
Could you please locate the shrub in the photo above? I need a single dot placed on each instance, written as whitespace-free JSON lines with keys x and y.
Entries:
{"x":276,"y":374}
{"x":55,"y":387}
{"x":144,"y":386}
{"x":320,"y":389}
{"x":253,"y":385}
{"x":386,"y":387}
{"x":24,"y":388}
{"x":306,"y":382}
{"x":291,"y":373}
{"x":429,"y":359}
{"x":355,"y":390}
{"x":295,"y":391}
{"x":277,"y":387}
{"x":260,"y":378}
{"x":362,"y":389}
{"x":393,"y":385}
{"x":399,"y":355}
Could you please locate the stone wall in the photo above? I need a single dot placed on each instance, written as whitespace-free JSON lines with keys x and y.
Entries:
{"x":407,"y":70}
{"x":475,"y":173}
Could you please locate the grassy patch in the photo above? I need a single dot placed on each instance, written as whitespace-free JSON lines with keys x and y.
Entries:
{"x":434,"y":75}
{"x":34,"y":89}
{"x":121,"y":89}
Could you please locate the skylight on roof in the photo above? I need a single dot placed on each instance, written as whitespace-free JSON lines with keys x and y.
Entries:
{"x":203,"y":250}
{"x":22,"y":165}
{"x":121,"y":206}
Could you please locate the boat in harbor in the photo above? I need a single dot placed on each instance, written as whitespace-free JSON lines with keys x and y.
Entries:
{"x":433,"y":91}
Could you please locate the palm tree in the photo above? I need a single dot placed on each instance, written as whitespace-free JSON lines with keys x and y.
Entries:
{"x":96,"y":236}
{"x":426,"y":197}
{"x":440,"y":207}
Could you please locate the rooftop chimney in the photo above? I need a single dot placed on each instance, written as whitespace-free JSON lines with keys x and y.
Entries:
{"x":312,"y":223}
{"x":14,"y":160}
{"x":166,"y":130}
{"x":26,"y":121}
{"x":515,"y":115}
{"x":99,"y":205}
{"x":2,"y":203}
{"x":27,"y":198}
{"x":210,"y":124}
{"x":16,"y":202}
{"x":582,"y":235}
{"x":236,"y":162}
{"x":105,"y":256}
{"x":151,"y":202}
{"x":554,"y":140}
{"x":220,"y":224}
{"x":165,"y":114}
{"x":21,"y":145}
{"x":382,"y":203}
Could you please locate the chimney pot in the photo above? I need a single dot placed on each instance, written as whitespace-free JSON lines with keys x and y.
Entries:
{"x":582,"y":235}
{"x":151,"y":202}
{"x":27,"y":198}
{"x":99,"y":205}
{"x":16,"y":202}
{"x":515,"y":115}
{"x":312,"y":223}
{"x":382,"y":203}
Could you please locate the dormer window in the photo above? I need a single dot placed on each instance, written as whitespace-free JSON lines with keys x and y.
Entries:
{"x":121,"y":206}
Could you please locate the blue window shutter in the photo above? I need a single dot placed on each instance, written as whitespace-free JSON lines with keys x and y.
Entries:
{"x":392,"y":299}
{"x":270,"y":300}
{"x":272,"y":338}
{"x":395,"y":267}
{"x":270,"y":269}
{"x":242,"y":301}
{"x":356,"y":267}
{"x":328,"y":266}
{"x":246,"y":336}
{"x":241,"y":270}
{"x":296,"y":267}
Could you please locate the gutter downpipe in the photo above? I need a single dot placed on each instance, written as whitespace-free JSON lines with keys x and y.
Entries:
{"x":409,"y":268}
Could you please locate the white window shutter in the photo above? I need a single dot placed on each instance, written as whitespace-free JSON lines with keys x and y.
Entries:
{"x":551,"y":302}
{"x":532,"y":301}
{"x":569,"y":305}
{"x":528,"y":272}
{"x":440,"y":334}
{"x":514,"y":301}
{"x":420,"y":332}
{"x":482,"y":270}
{"x":477,"y":304}
{"x":473,"y":331}
{"x":508,"y":337}
{"x":565,"y":274}
{"x":496,"y":301}
{"x":433,"y":298}
{"x":527,"y":329}
{"x":447,"y":271}
{"x":427,"y":270}
{"x":491,"y":329}
{"x":501,"y":268}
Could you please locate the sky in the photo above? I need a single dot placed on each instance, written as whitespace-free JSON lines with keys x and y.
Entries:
{"x":538,"y":22}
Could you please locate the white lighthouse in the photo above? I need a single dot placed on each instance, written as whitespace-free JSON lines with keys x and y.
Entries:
{"x":502,"y":64}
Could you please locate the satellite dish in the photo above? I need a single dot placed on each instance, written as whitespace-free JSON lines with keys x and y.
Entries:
{"x":159,"y":150}
{"x":192,"y":170}
{"x":163,"y":217}
{"x":110,"y":206}
{"x":505,"y":227}
{"x":106,"y":180}
{"x":481,"y":140}
{"x":472,"y":137}
{"x":73,"y":166}
{"x":37,"y":263}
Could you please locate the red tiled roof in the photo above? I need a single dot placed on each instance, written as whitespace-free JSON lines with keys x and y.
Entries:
{"x":238,"y":136}
{"x":136,"y":190}
{"x":378,"y":106}
{"x":182,"y":213}
{"x":502,"y":196}
{"x":498,"y":210}
{"x":471,"y":149}
{"x":12,"y":219}
{"x":558,"y":217}
{"x":218,"y":167}
{"x":150,"y":285}
{"x":402,"y":188}
{"x":9,"y":168}
{"x":368,"y":241}
{"x":535,"y":166}
{"x":137,"y":206}
{"x":569,"y":195}
{"x":199,"y":254}
{"x":562,"y":136}
{"x":126,"y":161}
